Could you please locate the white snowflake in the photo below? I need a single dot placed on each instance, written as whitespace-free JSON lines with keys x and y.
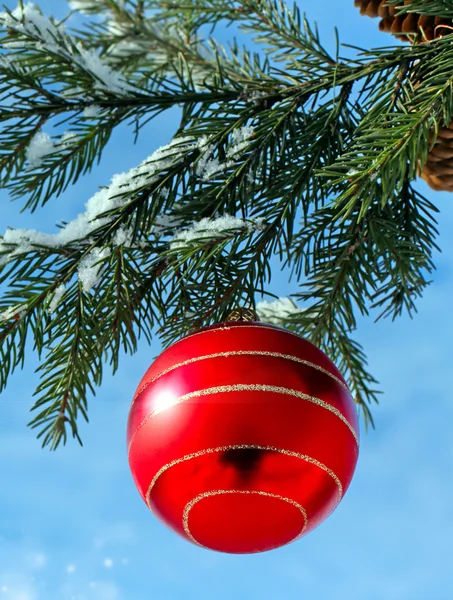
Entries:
{"x":71,"y":92}
{"x":93,"y":110}
{"x":57,"y":296}
{"x":105,"y":77}
{"x":255,"y":96}
{"x":123,"y":237}
{"x":240,"y":138}
{"x":163,"y":221}
{"x":7,"y":61}
{"x":276,"y":311}
{"x":90,"y":267}
{"x":209,"y":228}
{"x":207,"y":167}
{"x":128,"y":47}
{"x":13,"y":312}
{"x":204,"y":141}
{"x":164,"y":192}
{"x":40,"y":146}
{"x":68,"y":139}
{"x":84,"y":6}
{"x":204,"y":157}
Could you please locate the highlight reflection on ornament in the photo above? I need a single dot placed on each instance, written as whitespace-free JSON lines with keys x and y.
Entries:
{"x":242,"y":437}
{"x":164,"y":400}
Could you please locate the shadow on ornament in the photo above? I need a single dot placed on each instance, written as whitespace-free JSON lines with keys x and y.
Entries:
{"x":246,"y":461}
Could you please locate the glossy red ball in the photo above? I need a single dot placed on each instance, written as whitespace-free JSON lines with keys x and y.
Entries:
{"x":242,"y":437}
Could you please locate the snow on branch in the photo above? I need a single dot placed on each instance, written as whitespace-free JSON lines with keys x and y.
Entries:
{"x":51,"y":37}
{"x":15,"y":312}
{"x":118,"y":193}
{"x":28,"y":20}
{"x":213,"y":228}
{"x":40,"y":146}
{"x":106,"y":77}
{"x":276,"y":311}
{"x":55,"y":299}
{"x":240,"y":138}
{"x":92,"y":111}
{"x":86,"y":7}
{"x":91,"y":267}
{"x":207,"y":167}
{"x":123,"y":236}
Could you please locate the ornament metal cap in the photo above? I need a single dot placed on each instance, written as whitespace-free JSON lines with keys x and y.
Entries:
{"x":243,"y":314}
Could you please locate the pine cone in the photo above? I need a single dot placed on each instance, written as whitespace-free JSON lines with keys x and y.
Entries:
{"x":438,"y":170}
{"x":400,"y":25}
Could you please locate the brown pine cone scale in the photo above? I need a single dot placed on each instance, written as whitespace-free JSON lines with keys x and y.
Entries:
{"x":438,"y":170}
{"x":427,"y":27}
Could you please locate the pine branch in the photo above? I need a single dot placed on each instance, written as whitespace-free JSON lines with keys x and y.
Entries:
{"x":189,"y":234}
{"x":349,"y":357}
{"x":23,"y":307}
{"x":214,"y":274}
{"x":403,"y":239}
{"x":163,"y":44}
{"x":91,"y":7}
{"x":67,"y":372}
{"x":273,"y":24}
{"x":336,"y":285}
{"x":13,"y":337}
{"x":379,"y":261}
{"x":72,"y":155}
{"x":438,"y":8}
{"x":130,"y":303}
{"x":391,"y":142}
{"x":33,"y":40}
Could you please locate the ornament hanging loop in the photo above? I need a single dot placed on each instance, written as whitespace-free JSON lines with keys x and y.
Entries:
{"x":243,"y":314}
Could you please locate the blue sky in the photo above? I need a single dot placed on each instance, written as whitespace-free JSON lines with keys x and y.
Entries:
{"x":73,"y":526}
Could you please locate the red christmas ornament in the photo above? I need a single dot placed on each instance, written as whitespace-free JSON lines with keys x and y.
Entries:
{"x":242,"y":437}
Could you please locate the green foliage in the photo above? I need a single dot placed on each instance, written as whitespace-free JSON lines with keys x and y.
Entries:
{"x":439,"y":8}
{"x":314,"y":154}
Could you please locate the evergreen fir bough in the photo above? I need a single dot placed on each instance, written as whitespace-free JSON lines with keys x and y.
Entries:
{"x":292,"y":152}
{"x":408,"y":21}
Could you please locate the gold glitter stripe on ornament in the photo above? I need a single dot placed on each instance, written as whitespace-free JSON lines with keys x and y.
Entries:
{"x":304,"y":457}
{"x":254,"y":387}
{"x":191,"y":504}
{"x":240,"y":353}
